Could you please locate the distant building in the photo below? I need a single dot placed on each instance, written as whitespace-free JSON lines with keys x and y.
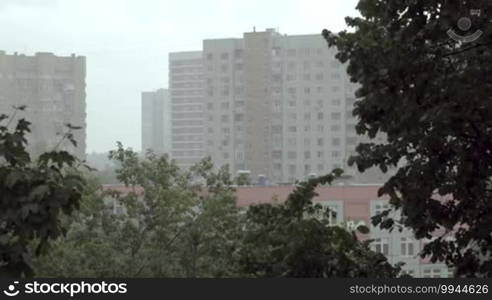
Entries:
{"x":156,"y":121}
{"x":186,"y":92}
{"x":53,"y":89}
{"x":275,"y":105}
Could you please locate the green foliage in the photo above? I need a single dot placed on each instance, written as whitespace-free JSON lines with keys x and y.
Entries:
{"x":243,"y":179}
{"x":33,"y":197}
{"x":432,"y":97}
{"x":292,"y":240}
{"x":174,"y":224}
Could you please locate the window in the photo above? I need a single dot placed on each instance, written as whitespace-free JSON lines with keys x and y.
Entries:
{"x":292,"y":170}
{"x":238,"y":53}
{"x":335,"y":142}
{"x":238,"y":117}
{"x":320,"y":116}
{"x":332,"y":210}
{"x":336,"y":116}
{"x":292,"y":129}
{"x":321,"y":142}
{"x":335,"y":128}
{"x":351,"y":140}
{"x":407,"y":247}
{"x":381,"y":245}
{"x":335,"y":154}
{"x":380,"y":206}
{"x":307,"y":116}
{"x":292,"y":155}
{"x":307,"y":155}
{"x":224,"y":56}
{"x":210,"y":56}
{"x":320,"y":154}
{"x":432,"y":273}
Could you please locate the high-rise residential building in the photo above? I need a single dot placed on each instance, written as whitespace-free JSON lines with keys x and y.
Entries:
{"x":156,"y":121}
{"x":277,"y":105}
{"x":274,"y":105}
{"x":186,"y":93}
{"x":53,"y":90}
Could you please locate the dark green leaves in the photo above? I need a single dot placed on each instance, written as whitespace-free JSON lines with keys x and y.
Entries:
{"x":33,"y":196}
{"x":431,"y":96}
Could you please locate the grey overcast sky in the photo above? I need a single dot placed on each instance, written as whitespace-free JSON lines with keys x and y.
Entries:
{"x":127,"y":42}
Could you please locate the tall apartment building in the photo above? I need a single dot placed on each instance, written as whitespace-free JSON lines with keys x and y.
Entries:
{"x":53,"y":89}
{"x":156,"y":121}
{"x":275,"y":105}
{"x":186,"y":92}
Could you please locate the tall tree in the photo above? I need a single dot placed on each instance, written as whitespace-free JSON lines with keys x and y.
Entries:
{"x":174,"y":223}
{"x":33,"y":196}
{"x":425,"y":82}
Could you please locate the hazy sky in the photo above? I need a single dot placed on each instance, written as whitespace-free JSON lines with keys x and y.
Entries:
{"x":127,"y":42}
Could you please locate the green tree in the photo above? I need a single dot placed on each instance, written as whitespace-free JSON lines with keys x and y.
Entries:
{"x":431,"y":95}
{"x":33,"y":196}
{"x":175,"y":223}
{"x":294,"y":239}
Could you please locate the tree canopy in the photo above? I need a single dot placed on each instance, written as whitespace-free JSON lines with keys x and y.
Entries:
{"x":430,"y":93}
{"x":33,"y":196}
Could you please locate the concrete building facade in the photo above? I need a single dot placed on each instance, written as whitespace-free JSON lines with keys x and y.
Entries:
{"x":273,"y":105}
{"x":156,"y":121}
{"x":277,"y":105}
{"x":186,"y":93}
{"x":53,"y":90}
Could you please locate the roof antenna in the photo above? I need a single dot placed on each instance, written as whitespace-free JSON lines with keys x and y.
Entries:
{"x":254,"y":28}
